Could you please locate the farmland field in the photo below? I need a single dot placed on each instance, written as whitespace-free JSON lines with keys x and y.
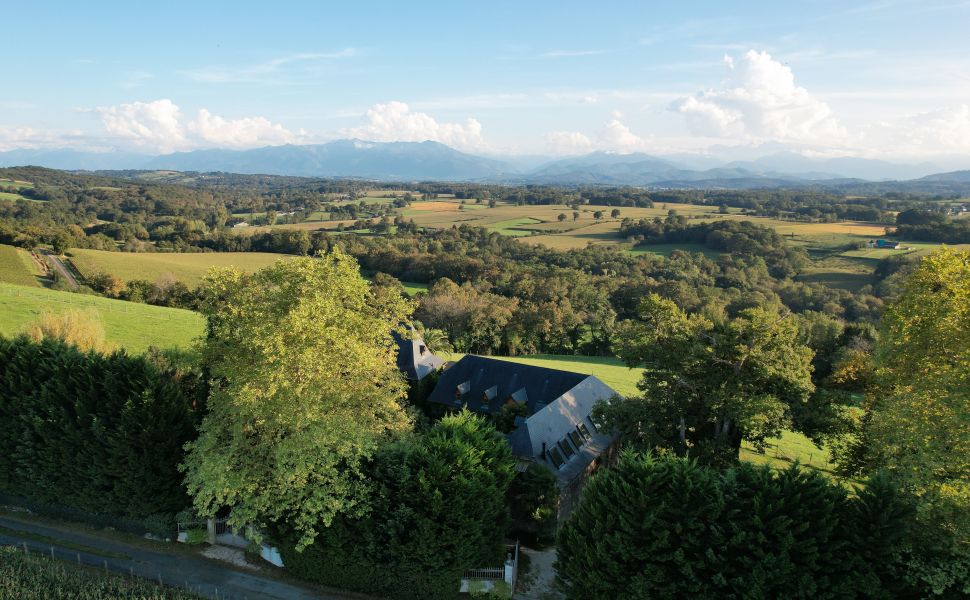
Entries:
{"x":189,"y":267}
{"x":15,"y":183}
{"x":540,"y":224}
{"x":16,"y":266}
{"x":668,"y":249}
{"x":130,"y":325}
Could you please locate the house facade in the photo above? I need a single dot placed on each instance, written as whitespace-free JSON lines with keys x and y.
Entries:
{"x":554,"y":426}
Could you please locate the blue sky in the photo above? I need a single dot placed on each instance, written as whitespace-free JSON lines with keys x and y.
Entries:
{"x":886,"y":79}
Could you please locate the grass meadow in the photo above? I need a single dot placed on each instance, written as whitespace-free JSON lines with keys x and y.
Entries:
{"x":129,"y":325}
{"x":189,"y":267}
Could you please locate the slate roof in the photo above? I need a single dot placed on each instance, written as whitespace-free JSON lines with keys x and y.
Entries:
{"x":411,"y":361}
{"x":519,"y":440}
{"x":481,"y":376}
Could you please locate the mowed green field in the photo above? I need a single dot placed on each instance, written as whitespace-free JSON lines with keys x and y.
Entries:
{"x":16,"y":266}
{"x":187,"y":267}
{"x":129,"y":325}
{"x":780,"y":453}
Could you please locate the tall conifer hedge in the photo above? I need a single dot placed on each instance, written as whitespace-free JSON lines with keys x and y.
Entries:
{"x":102,"y":433}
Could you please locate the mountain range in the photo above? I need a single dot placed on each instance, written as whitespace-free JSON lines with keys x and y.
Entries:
{"x":433,"y":161}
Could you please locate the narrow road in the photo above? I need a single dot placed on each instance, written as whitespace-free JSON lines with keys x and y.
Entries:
{"x":182,"y":570}
{"x":61,"y":269}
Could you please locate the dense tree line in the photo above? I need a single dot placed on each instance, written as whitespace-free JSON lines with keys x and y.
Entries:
{"x":103,"y":433}
{"x":930,"y":226}
{"x":494,"y":294}
{"x":670,"y":528}
{"x":742,"y":238}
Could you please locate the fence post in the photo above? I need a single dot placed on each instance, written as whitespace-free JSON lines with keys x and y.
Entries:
{"x":211,"y":528}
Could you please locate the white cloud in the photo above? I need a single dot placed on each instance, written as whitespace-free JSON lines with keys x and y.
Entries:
{"x":614,"y":137}
{"x":568,"y":142}
{"x":759,"y":101}
{"x":159,"y":126}
{"x":589,"y":99}
{"x":248,"y":132}
{"x":28,"y":137}
{"x":618,"y":138}
{"x":152,"y":125}
{"x":395,"y":122}
{"x":938,"y":132}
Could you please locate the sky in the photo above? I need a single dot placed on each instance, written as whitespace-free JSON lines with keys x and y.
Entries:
{"x":881,"y":79}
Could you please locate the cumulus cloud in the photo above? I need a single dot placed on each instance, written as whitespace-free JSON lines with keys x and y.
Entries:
{"x":155,"y":125}
{"x":396,"y":122}
{"x":159,"y":126}
{"x":614,"y":137}
{"x":240,"y":133}
{"x":568,"y":142}
{"x":618,"y":138}
{"x":759,"y":101}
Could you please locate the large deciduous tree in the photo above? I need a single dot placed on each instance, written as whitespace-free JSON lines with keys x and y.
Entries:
{"x":917,"y":418}
{"x":304,"y":387}
{"x":707,"y":386}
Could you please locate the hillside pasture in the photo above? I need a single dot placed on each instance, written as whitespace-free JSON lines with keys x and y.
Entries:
{"x":15,"y":183}
{"x":17,"y":267}
{"x":668,"y":249}
{"x":129,"y":325}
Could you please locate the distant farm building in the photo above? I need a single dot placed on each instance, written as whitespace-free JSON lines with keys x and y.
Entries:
{"x":888,"y":244}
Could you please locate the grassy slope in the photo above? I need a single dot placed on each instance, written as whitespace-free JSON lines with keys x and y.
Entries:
{"x":780,"y":453}
{"x":17,"y":267}
{"x":129,"y":325}
{"x":188,"y":267}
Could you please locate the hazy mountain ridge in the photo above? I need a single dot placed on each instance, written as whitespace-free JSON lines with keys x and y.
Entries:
{"x":433,"y":161}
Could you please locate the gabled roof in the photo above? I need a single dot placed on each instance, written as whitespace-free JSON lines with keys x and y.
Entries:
{"x":480,"y":377}
{"x":414,"y":359}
